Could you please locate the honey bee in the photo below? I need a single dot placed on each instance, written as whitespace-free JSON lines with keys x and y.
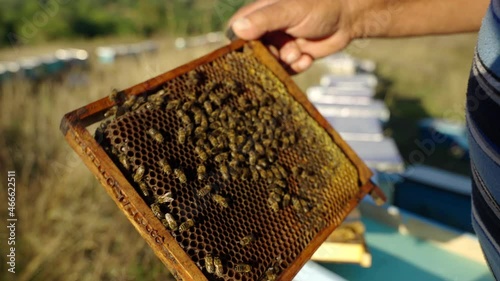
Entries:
{"x":286,"y":200}
{"x":138,"y":102}
{"x":277,"y":190}
{"x":197,"y":113}
{"x":203,"y":97}
{"x":231,"y":85}
{"x":276,"y":172}
{"x":144,"y":188}
{"x":220,"y":200}
{"x":157,"y":98}
{"x":224,"y":172}
{"x":180,"y":175}
{"x":139,"y":173}
{"x":215,"y":99}
{"x":222,"y":142}
{"x":254,"y":102}
{"x":189,"y":129}
{"x":242,"y":102}
{"x":285,"y":141}
{"x":256,"y":136}
{"x":282,"y":171}
{"x":156,"y":210}
{"x":112,"y":111}
{"x":129,"y":103}
{"x":267,"y":116}
{"x":297,"y":206}
{"x":191,"y":96}
{"x":204,"y":191}
{"x":186,"y":225}
{"x":223,"y":95}
{"x":219,"y":269}
{"x":240,"y":140}
{"x":223,"y":115}
{"x":231,"y":136}
{"x":271,"y":274}
{"x":199,"y":131}
{"x":149,"y":106}
{"x":124,"y":161}
{"x":275,"y":144}
{"x":276,"y":197}
{"x":208,"y":107}
{"x":211,"y":85}
{"x":273,"y":204}
{"x":247,"y":240}
{"x":213,"y":141}
{"x":165,"y":166}
{"x":173,"y":104}
{"x":164,"y":222}
{"x":185,"y":119}
{"x":277,"y":132}
{"x":233,"y":147}
{"x":259,"y":128}
{"x":155,"y":135}
{"x":201,"y":170}
{"x":280,"y":183}
{"x":262,"y":163}
{"x":221,"y":157}
{"x":305,"y":205}
{"x":181,"y":135}
{"x":114,"y":96}
{"x":252,"y":158}
{"x":245,"y":173}
{"x":270,"y":176}
{"x":262,"y":173}
{"x":172,"y":224}
{"x":194,"y":78}
{"x":242,"y":268}
{"x":255,"y":174}
{"x":233,"y":163}
{"x":214,"y":116}
{"x":204,"y":121}
{"x":231,"y":123}
{"x":201,"y":153}
{"x":246,"y":148}
{"x":216,"y":125}
{"x":209,"y":263}
{"x":165,"y":198}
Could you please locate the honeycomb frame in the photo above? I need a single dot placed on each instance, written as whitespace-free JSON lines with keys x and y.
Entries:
{"x":167,"y":245}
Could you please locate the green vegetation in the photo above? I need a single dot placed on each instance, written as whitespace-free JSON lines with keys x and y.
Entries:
{"x":31,"y":21}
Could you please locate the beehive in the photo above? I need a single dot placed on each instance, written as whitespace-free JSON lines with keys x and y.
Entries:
{"x":225,"y":158}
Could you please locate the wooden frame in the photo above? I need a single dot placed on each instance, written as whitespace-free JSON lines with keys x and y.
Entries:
{"x":74,"y":127}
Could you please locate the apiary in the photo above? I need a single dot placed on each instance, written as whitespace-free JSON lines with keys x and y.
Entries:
{"x":222,"y":165}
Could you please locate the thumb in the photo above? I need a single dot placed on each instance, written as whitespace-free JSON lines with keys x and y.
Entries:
{"x":273,"y":17}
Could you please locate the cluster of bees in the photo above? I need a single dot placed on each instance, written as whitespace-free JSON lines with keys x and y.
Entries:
{"x":237,"y":130}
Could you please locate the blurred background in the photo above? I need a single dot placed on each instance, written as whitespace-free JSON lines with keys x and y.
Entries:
{"x":56,"y":56}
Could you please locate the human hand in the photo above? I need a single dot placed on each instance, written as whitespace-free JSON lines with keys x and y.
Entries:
{"x":297,"y":31}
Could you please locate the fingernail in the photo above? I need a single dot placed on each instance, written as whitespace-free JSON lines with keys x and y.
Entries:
{"x":292,"y":57}
{"x":303,"y":64}
{"x":241,"y":24}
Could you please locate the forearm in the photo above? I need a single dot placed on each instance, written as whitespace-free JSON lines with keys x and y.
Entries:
{"x":399,"y":18}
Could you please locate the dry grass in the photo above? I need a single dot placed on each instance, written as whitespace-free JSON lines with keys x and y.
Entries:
{"x":69,"y":229}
